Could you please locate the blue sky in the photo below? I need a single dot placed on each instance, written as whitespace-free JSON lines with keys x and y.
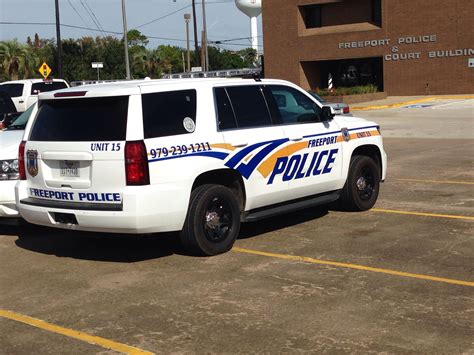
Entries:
{"x":164,"y":17}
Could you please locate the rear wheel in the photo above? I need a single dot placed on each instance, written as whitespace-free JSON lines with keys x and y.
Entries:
{"x":362,"y":186}
{"x":213,"y":221}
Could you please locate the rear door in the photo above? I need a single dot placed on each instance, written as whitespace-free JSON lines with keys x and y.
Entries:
{"x":254,"y":141}
{"x":75,"y":151}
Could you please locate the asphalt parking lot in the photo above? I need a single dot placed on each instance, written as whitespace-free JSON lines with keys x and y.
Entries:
{"x":396,"y":279}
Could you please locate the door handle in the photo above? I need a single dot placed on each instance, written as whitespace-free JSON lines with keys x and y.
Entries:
{"x":21,"y":101}
{"x":239,"y":144}
{"x":295,"y":138}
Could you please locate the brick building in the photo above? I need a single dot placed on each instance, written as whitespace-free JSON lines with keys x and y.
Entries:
{"x":405,"y":47}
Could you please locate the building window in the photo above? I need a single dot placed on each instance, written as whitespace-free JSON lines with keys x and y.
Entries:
{"x":344,"y":12}
{"x":312,"y":16}
{"x":345,"y":72}
{"x":377,"y":12}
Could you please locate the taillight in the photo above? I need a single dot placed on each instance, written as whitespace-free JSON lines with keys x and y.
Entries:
{"x":136,"y":163}
{"x":21,"y":161}
{"x":346,"y":110}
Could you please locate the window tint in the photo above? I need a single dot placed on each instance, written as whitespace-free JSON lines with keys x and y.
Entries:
{"x":6,"y":104}
{"x":294,"y":106}
{"x":46,"y":86}
{"x":14,"y":90}
{"x":164,"y":113}
{"x":249,"y":106}
{"x":225,"y":113}
{"x":79,"y":120}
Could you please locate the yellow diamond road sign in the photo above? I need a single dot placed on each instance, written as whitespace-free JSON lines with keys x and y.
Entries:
{"x":44,"y":70}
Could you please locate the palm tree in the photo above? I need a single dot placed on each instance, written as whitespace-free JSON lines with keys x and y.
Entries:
{"x":12,"y":58}
{"x":31,"y":64}
{"x":152,"y":63}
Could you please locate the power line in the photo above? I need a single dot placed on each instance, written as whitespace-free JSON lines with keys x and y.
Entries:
{"x":77,"y":12}
{"x":93,"y":14}
{"x":217,"y":42}
{"x":90,"y":15}
{"x":181,"y":9}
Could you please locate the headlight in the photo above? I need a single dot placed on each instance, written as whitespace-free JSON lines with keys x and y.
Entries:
{"x":5,"y":166}
{"x":9,"y":169}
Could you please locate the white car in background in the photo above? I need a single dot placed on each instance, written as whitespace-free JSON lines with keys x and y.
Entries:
{"x":338,"y":108}
{"x":24,"y":93}
{"x":10,"y":140}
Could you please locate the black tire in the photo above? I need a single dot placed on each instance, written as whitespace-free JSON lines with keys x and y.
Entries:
{"x":213,"y":221}
{"x":362,"y":186}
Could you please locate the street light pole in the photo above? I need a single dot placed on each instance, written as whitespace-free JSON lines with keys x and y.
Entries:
{"x":196,"y":44}
{"x":187,"y":17}
{"x":204,"y":27}
{"x":58,"y":40}
{"x":125,"y":39}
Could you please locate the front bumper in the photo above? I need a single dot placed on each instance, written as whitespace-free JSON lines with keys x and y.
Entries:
{"x":7,"y":199}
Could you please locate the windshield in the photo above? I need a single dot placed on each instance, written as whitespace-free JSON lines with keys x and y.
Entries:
{"x":14,"y":90}
{"x":21,"y":121}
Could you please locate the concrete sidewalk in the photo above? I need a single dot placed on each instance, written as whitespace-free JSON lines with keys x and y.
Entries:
{"x":399,"y":101}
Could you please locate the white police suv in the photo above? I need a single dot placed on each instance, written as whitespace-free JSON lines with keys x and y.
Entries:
{"x":198,"y":156}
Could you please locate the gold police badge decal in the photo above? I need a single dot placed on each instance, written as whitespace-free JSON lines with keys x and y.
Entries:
{"x":345,"y":134}
{"x":32,"y":162}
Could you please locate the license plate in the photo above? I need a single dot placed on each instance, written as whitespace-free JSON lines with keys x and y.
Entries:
{"x":69,"y":168}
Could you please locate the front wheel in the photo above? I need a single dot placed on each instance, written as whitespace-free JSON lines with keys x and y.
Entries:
{"x":362,"y":186}
{"x":213,"y":221}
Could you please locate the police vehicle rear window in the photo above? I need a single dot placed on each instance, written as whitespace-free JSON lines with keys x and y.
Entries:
{"x":80,"y":120}
{"x":169,"y":113}
{"x":46,"y":86}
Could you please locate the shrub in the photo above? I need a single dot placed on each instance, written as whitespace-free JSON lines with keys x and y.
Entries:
{"x":343,"y":91}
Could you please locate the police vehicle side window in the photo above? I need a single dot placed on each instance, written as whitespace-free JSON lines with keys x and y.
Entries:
{"x":225,"y":112}
{"x":294,"y":106}
{"x":164,"y":113}
{"x":249,"y":106}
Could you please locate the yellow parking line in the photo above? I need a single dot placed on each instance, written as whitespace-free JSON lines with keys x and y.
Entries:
{"x":438,"y":181}
{"x":400,"y":104}
{"x":91,"y":339}
{"x":354,"y":266}
{"x":423,"y":214}
{"x":412,"y":102}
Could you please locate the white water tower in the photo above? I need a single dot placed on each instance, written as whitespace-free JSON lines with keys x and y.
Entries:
{"x":252,"y":8}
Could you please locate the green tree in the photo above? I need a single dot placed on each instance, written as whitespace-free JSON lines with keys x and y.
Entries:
{"x":136,"y":38}
{"x":12,"y":59}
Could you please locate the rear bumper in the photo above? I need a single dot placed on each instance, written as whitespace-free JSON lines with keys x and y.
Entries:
{"x":7,"y":199}
{"x":145,"y":209}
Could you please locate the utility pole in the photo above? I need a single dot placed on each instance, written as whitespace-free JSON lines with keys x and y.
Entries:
{"x":204,"y":45}
{"x":125,"y":40}
{"x":58,"y":40}
{"x":196,"y":43}
{"x":187,"y":17}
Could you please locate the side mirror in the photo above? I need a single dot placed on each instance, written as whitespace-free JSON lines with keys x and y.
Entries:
{"x":327,"y":113}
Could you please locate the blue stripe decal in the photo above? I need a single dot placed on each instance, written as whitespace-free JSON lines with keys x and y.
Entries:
{"x":218,"y":155}
{"x":246,"y":169}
